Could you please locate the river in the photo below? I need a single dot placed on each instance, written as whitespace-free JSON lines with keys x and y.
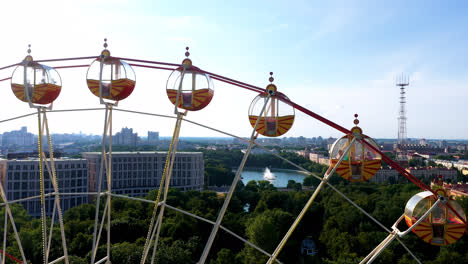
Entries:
{"x":278,"y":177}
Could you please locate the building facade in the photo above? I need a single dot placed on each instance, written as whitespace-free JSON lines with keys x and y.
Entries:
{"x":125,"y":137}
{"x":18,"y":137}
{"x":429,"y":173}
{"x":385,"y":175}
{"x":153,"y":138}
{"x":316,"y":157}
{"x":137,"y":173}
{"x":457,"y":190}
{"x":20,"y":178}
{"x":324,"y":161}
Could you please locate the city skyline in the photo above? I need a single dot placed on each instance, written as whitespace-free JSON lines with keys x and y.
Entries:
{"x":166,"y":137}
{"x":336,"y":59}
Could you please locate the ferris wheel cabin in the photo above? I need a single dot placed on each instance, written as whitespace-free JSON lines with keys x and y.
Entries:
{"x":35,"y":83}
{"x":360,"y":163}
{"x":277,"y":118}
{"x":442,"y":226}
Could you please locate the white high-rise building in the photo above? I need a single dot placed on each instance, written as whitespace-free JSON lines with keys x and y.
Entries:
{"x":137,"y":173}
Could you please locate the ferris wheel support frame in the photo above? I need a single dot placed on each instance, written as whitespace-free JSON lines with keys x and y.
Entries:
{"x":309,"y":203}
{"x":50,"y":166}
{"x":166,"y":187}
{"x":13,"y":225}
{"x":397,"y":233}
{"x":167,"y":173}
{"x":105,"y":163}
{"x":408,"y":175}
{"x":167,"y":180}
{"x":5,"y":228}
{"x":236,"y":179}
{"x":213,"y":129}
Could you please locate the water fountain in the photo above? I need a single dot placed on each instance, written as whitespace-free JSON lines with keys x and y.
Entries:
{"x":268,"y":175}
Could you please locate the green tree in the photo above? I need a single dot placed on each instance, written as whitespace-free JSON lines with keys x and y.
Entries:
{"x":309,"y":181}
{"x":225,"y":256}
{"x":266,"y":229}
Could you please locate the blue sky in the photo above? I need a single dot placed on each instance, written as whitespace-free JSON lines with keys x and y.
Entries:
{"x":336,"y":58}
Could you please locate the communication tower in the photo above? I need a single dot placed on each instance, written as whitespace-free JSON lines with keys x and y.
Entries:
{"x":402,"y":82}
{"x":402,"y":158}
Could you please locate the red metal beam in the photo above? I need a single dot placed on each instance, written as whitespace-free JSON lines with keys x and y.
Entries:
{"x":71,"y":66}
{"x":9,"y":66}
{"x":147,"y":61}
{"x":244,"y":85}
{"x":152,"y":67}
{"x":67,"y":59}
{"x":11,"y":257}
{"x":236,"y":84}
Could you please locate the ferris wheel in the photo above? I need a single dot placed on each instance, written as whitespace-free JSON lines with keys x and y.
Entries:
{"x":431,"y":214}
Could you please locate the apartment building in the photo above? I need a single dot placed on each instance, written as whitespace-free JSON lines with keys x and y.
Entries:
{"x":20,"y":179}
{"x":385,"y":175}
{"x":429,"y":173}
{"x":137,"y":173}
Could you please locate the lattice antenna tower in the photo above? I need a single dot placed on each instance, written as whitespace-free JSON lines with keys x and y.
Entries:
{"x":402,"y":81}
